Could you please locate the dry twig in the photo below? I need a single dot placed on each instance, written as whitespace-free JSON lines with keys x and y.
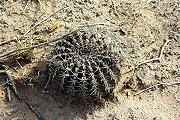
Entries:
{"x":174,"y":83}
{"x":32,"y":109}
{"x":45,"y":43}
{"x":5,"y":83}
{"x":151,"y":60}
{"x":159,"y":56}
{"x":43,"y":20}
{"x":10,"y":83}
{"x":35,"y":46}
{"x":8,"y":41}
{"x":93,"y":24}
{"x":8,"y":92}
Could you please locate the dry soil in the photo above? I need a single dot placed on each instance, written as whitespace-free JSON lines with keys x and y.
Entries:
{"x":139,"y":26}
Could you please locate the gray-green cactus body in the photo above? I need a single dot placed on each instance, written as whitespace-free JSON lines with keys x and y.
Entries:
{"x":85,"y":63}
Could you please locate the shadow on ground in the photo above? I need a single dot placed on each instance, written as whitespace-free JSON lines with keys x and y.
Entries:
{"x":52,"y":105}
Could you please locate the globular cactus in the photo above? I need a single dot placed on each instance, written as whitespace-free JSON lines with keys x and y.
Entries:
{"x":85,"y":63}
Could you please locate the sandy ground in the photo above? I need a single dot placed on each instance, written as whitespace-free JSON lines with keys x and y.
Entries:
{"x":140,"y":28}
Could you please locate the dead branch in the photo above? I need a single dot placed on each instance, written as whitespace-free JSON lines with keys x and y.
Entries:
{"x":8,"y":90}
{"x":8,"y":41}
{"x":10,"y":83}
{"x":159,"y":56}
{"x":173,"y":83}
{"x":32,"y":109}
{"x":43,"y":20}
{"x":151,"y":60}
{"x":162,"y":48}
{"x":35,"y":46}
{"x":92,"y":24}
{"x":5,"y":83}
{"x":147,"y":61}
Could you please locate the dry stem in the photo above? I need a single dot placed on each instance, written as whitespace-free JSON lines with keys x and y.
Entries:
{"x":32,"y":109}
{"x":8,"y":41}
{"x":7,"y":81}
{"x":159,"y":56}
{"x":174,"y":83}
{"x":35,"y":46}
{"x":43,"y":20}
{"x":11,"y":84}
{"x":151,"y":60}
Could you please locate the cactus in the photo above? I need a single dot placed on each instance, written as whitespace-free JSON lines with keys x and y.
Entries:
{"x":85,"y":63}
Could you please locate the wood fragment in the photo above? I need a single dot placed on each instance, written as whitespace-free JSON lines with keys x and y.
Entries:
{"x":163,"y":47}
{"x":35,"y":46}
{"x":8,"y":92}
{"x":11,"y":84}
{"x":173,"y":83}
{"x":151,"y":60}
{"x":147,"y":61}
{"x":43,"y":20}
{"x":32,"y":109}
{"x":8,"y":41}
{"x":92,"y":24}
{"x":159,"y":56}
{"x":5,"y":83}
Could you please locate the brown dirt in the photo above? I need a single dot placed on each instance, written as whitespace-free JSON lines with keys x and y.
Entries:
{"x":140,"y":29}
